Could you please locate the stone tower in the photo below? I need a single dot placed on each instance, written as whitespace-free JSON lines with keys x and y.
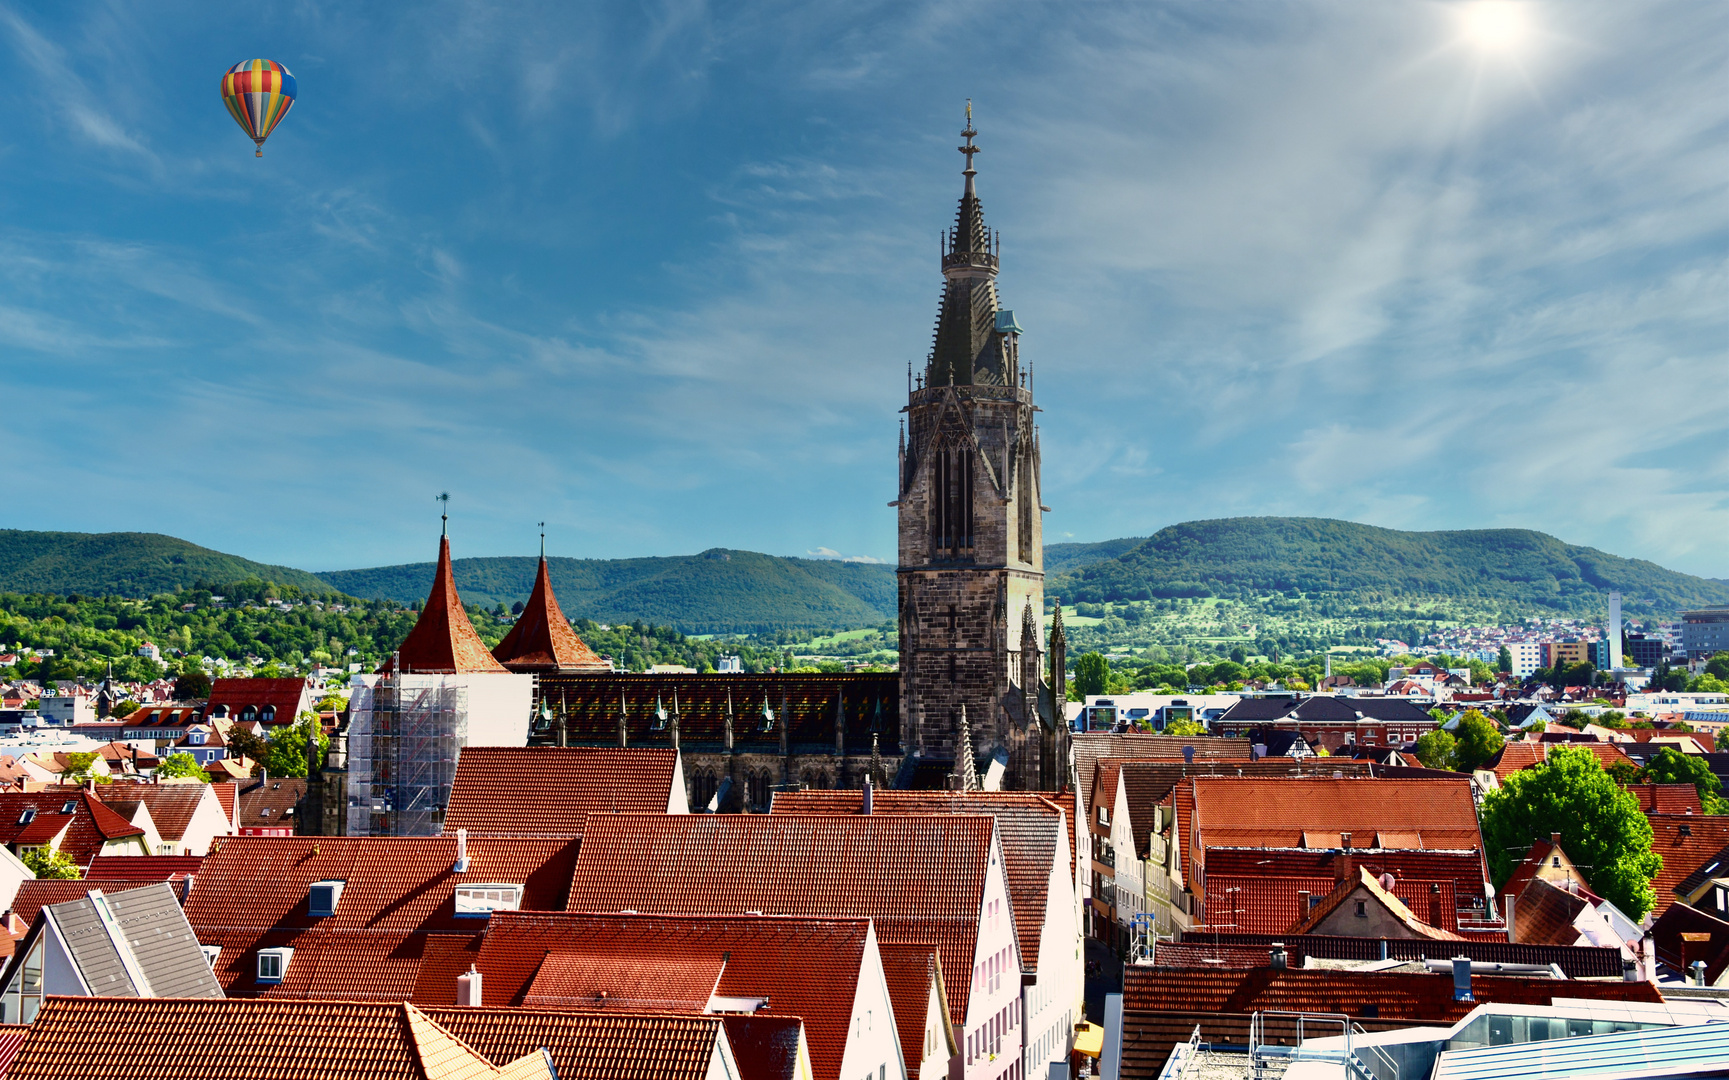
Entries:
{"x":971,"y":566}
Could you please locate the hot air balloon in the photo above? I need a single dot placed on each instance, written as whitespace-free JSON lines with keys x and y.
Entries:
{"x":258,"y":94}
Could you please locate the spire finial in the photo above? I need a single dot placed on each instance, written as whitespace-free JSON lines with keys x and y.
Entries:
{"x":444,"y":517}
{"x":543,"y":541}
{"x":969,"y":149}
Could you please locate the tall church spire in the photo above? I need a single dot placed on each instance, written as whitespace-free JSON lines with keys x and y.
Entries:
{"x":967,"y":348}
{"x":443,"y":640}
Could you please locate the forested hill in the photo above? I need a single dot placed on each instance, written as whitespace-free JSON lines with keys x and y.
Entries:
{"x":1514,"y":571}
{"x":125,"y":564}
{"x":718,"y":591}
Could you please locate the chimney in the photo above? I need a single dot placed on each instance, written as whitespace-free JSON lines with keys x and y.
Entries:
{"x":1648,"y":957}
{"x":1278,"y":956}
{"x":1437,"y":916}
{"x":461,"y":866}
{"x":1343,"y":868}
{"x":1555,"y":839}
{"x":867,"y":796}
{"x":1345,"y":840}
{"x":1188,"y":755}
{"x":1629,"y":969}
{"x":1462,"y":979}
{"x":1512,"y":935}
{"x":468,"y":994}
{"x":186,"y":889}
{"x":1302,"y":903}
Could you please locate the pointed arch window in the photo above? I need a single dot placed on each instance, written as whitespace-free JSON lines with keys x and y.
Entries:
{"x":952,"y":498}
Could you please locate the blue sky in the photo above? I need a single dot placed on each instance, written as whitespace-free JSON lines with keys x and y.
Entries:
{"x":653,"y":272}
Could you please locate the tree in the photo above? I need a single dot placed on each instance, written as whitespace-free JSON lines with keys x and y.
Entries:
{"x":1504,"y":662}
{"x":1673,"y":767}
{"x":1718,"y":666}
{"x":243,"y":743}
{"x":288,"y":746}
{"x":1600,"y":825}
{"x":1184,"y":728}
{"x":192,"y":685}
{"x":1437,"y":750}
{"x":183,"y":765}
{"x":78,"y":766}
{"x":1092,"y":674}
{"x":1477,"y":740}
{"x":47,"y":863}
{"x":124,"y":709}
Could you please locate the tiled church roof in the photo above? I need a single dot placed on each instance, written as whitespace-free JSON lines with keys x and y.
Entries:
{"x":443,"y":640}
{"x":542,"y":639}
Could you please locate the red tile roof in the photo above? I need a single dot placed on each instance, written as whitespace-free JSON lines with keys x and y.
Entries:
{"x":593,"y":1046}
{"x":1392,"y":904}
{"x":171,"y":805}
{"x":1091,"y":746}
{"x":88,"y":826}
{"x":1030,"y":826}
{"x":1515,"y":756}
{"x":1667,"y":798}
{"x":228,"y":794}
{"x":165,"y":716}
{"x":918,"y":876}
{"x":34,"y":895}
{"x":251,"y":893}
{"x":1544,"y":915}
{"x":443,"y":640}
{"x":11,"y":1038}
{"x":1275,"y":813}
{"x":912,"y":972}
{"x":766,"y":1047}
{"x":147,"y":1038}
{"x":142,"y":867}
{"x":542,"y":639}
{"x":803,"y":967}
{"x":1687,"y":843}
{"x":1427,"y":997}
{"x":286,"y":697}
{"x":551,"y":790}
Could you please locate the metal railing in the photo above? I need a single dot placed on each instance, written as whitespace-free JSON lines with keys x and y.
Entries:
{"x":1266,"y":1057}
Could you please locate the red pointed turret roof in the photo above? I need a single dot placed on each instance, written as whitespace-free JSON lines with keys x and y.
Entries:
{"x":542,"y":639}
{"x":443,"y":640}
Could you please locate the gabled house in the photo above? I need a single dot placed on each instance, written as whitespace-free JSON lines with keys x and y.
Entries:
{"x":551,"y":790}
{"x":920,"y":878}
{"x":1041,"y":874}
{"x":360,"y":917}
{"x":1695,"y":851}
{"x":610,"y":1046}
{"x":78,"y":1038}
{"x":131,"y":944}
{"x":268,"y":804}
{"x":927,"y":1032}
{"x":827,"y":971}
{"x":1364,"y":906}
{"x":187,"y":818}
{"x":271,"y":702}
{"x":76,"y":824}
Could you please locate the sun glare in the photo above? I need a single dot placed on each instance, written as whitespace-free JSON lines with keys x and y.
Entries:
{"x":1495,"y":25}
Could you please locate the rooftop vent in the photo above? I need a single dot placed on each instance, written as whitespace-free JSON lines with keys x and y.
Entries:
{"x":322,"y":898}
{"x":461,"y":866}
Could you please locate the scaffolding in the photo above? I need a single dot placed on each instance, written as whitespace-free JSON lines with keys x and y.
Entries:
{"x":405,"y":733}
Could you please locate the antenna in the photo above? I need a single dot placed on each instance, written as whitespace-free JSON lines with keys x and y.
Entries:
{"x":444,"y":517}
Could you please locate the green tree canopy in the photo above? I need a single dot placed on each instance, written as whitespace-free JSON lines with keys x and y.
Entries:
{"x":182,"y":764}
{"x":1601,"y":827}
{"x":1477,"y":740}
{"x":1092,"y":674}
{"x":192,"y":686}
{"x":1437,"y":750}
{"x":1718,"y":665}
{"x":1504,"y":661}
{"x":288,"y":746}
{"x":47,"y":863}
{"x":1673,"y":767}
{"x":1185,"y":728}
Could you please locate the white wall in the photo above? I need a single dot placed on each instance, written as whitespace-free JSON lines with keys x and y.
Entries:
{"x":873,"y":1041}
{"x":13,"y":873}
{"x":993,"y":996}
{"x":499,"y":707}
{"x":1052,"y":1003}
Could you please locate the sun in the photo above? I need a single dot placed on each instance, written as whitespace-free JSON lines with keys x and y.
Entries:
{"x":1495,"y":25}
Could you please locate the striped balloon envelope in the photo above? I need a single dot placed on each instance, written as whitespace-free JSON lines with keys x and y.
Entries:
{"x":258,"y":94}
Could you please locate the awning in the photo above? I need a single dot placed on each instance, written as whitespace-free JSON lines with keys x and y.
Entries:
{"x":1089,"y":1039}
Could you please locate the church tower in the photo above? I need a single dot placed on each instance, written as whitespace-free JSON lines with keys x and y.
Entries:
{"x":971,"y":568}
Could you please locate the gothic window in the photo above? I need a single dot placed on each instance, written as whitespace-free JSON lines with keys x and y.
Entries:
{"x":758,"y":791}
{"x":1027,"y":497}
{"x":952,"y":499}
{"x":703,"y":785}
{"x":815,"y":779}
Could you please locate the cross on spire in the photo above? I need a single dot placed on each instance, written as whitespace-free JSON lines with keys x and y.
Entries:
{"x":969,"y":149}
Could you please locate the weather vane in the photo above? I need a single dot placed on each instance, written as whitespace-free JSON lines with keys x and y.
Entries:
{"x":444,"y":497}
{"x":543,"y":539}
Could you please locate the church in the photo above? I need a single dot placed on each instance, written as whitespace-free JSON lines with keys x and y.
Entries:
{"x":978,"y":700}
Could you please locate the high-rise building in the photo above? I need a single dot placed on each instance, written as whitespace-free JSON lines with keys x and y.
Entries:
{"x":971,"y":564}
{"x":1614,"y":634}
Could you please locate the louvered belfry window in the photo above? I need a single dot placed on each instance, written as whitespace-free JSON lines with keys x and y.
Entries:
{"x":953,"y":498}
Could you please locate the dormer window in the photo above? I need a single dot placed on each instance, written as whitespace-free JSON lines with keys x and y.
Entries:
{"x":272,"y":963}
{"x":211,"y":952}
{"x":480,"y":901}
{"x":195,"y":738}
{"x":322,"y":897}
{"x":267,"y":714}
{"x":248,"y":713}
